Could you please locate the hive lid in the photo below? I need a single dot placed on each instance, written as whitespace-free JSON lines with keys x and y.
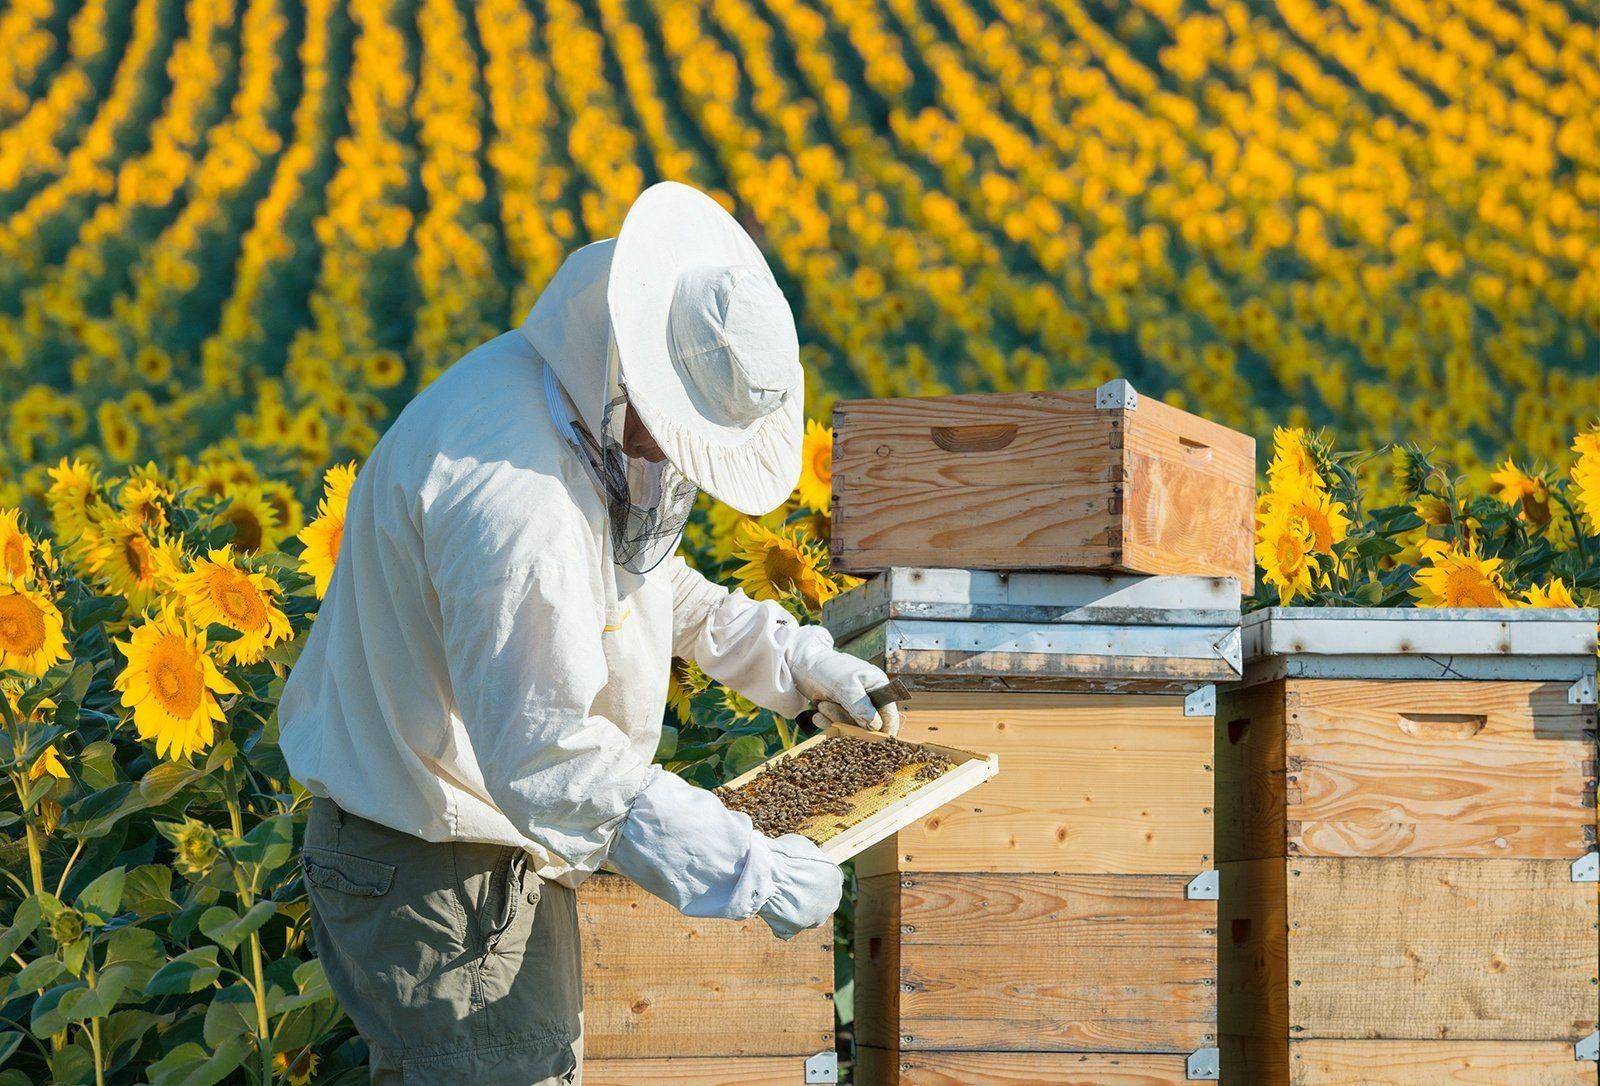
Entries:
{"x":973,"y":595}
{"x":1531,"y":644}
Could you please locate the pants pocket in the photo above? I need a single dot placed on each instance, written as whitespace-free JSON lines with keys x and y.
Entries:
{"x":544,"y":1061}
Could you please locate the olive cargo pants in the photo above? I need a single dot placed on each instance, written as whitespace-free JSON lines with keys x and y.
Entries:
{"x":455,"y":962}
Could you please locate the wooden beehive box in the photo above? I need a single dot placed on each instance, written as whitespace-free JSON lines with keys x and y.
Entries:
{"x":1406,"y":840}
{"x":676,"y":1001}
{"x":1099,"y":480}
{"x":1056,"y":924}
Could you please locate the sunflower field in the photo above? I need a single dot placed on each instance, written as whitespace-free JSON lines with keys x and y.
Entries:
{"x":236,"y":236}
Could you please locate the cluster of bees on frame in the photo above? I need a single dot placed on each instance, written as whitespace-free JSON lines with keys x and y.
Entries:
{"x":823,"y":780}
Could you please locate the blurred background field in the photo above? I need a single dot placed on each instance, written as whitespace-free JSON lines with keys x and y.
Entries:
{"x":256,"y":227}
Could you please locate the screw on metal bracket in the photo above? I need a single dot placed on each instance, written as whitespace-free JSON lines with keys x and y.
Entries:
{"x":1201,"y":702}
{"x":1116,"y":394}
{"x":1583,"y":692}
{"x":1205,"y":886}
{"x":1588,"y":1048}
{"x":1203,"y":1064}
{"x":1586,"y":868}
{"x":823,"y":1067}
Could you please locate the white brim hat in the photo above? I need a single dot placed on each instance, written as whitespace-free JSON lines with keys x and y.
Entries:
{"x":707,"y":346}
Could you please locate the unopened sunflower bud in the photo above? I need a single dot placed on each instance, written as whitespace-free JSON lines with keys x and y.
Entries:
{"x":67,"y":926}
{"x":197,"y":848}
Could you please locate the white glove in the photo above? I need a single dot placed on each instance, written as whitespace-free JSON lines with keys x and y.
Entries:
{"x":681,"y":844}
{"x":838,"y":682}
{"x":806,"y":886}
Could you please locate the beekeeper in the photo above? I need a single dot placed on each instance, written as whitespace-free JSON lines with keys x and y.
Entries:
{"x":477,"y":707}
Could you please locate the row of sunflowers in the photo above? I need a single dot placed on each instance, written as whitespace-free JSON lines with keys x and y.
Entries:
{"x":156,"y":927}
{"x":251,"y":228}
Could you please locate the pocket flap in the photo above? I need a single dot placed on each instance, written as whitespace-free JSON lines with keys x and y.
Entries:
{"x":346,"y":873}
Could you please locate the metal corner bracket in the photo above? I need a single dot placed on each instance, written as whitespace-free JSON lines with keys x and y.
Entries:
{"x":1204,"y":1064}
{"x":1586,"y":691}
{"x":1205,"y":886}
{"x":823,"y":1067}
{"x":1201,"y":702}
{"x":1116,"y":394}
{"x":1588,"y":1048}
{"x":1586,"y":868}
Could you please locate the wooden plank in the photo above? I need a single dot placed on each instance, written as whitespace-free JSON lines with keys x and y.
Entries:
{"x":689,"y":1071}
{"x":1055,"y":963}
{"x":1189,"y":495}
{"x":1089,"y":783}
{"x":877,"y":960}
{"x":876,"y":1067}
{"x":913,"y":480}
{"x":1433,"y":949}
{"x":1252,"y":961}
{"x":659,"y":984}
{"x":1442,"y":768}
{"x":1250,"y":773}
{"x":1437,"y":1063}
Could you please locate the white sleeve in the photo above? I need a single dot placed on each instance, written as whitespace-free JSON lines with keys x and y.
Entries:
{"x":523,"y":648}
{"x":737,"y":641}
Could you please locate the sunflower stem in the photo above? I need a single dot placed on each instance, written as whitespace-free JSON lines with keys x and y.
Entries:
{"x":247,"y":901}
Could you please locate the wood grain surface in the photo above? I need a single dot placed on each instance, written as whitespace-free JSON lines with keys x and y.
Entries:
{"x":1437,"y":1063}
{"x":877,"y":1067}
{"x":1040,"y":480}
{"x":691,"y":1071}
{"x":1043,"y":963}
{"x":1431,"y":949}
{"x":1088,"y":783}
{"x":660,"y":984}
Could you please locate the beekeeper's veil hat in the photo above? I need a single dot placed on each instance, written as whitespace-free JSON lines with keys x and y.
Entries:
{"x":705,"y":342}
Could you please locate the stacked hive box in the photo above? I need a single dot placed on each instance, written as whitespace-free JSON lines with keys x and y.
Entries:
{"x":674,"y":1001}
{"x":1406,"y":837}
{"x":1056,"y":925}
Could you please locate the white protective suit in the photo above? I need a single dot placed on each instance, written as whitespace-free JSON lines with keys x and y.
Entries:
{"x":481,"y":670}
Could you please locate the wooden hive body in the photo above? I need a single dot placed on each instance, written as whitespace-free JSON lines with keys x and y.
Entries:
{"x":1406,"y":822}
{"x":1050,"y":926}
{"x":676,"y":1001}
{"x":1084,"y":480}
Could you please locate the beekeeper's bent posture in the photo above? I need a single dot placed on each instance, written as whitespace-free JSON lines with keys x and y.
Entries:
{"x":479,"y":702}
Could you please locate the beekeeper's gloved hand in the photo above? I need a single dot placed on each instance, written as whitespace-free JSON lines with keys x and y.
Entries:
{"x":806,"y":886}
{"x":681,"y":844}
{"x":838,"y":682}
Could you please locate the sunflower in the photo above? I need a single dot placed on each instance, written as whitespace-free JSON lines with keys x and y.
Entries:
{"x":131,"y":561}
{"x":32,"y":632}
{"x":685,"y":682}
{"x":816,"y":467}
{"x":1294,"y":464}
{"x":16,"y":547}
{"x":74,"y":499}
{"x":219,"y":592}
{"x":1586,"y":476}
{"x":1323,"y":517}
{"x":383,"y":369}
{"x":118,"y":434}
{"x":291,"y":515}
{"x":324,"y":534}
{"x":780,"y":563}
{"x":1458,"y":578}
{"x":153,"y":364}
{"x":1284,"y":550}
{"x":146,"y":500}
{"x":171,"y":684}
{"x":47,"y":764}
{"x":254,"y":519}
{"x":1528,"y":494}
{"x":1554,"y":594}
{"x":296,"y":1067}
